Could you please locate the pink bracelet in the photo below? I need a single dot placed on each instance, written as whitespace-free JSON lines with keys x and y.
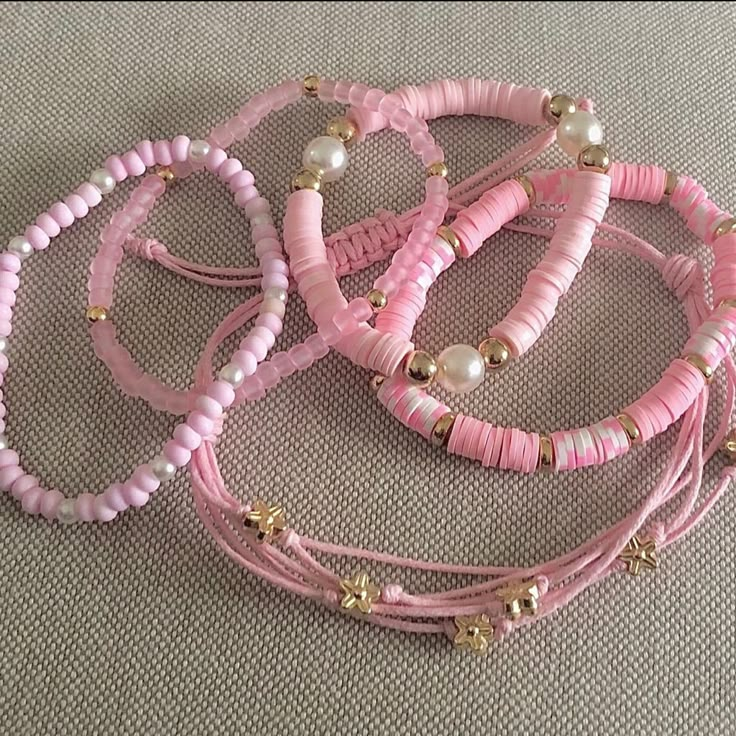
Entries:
{"x":116,"y":236}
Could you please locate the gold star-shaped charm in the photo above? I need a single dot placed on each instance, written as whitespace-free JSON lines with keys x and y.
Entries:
{"x":359,"y":593}
{"x":519,"y":598}
{"x":639,"y":554}
{"x":268,"y":521}
{"x":473,"y":632}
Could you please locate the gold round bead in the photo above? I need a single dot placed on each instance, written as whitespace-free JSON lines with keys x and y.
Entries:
{"x":546,"y":454}
{"x":528,"y":187}
{"x":448,"y":235}
{"x":376,"y":382}
{"x":343,"y":129}
{"x":306,"y":179}
{"x":166,"y":174}
{"x":594,"y":158}
{"x":441,"y":431}
{"x":420,"y":367}
{"x":726,"y":227}
{"x":311,"y":85}
{"x":670,"y":183}
{"x":698,"y":362}
{"x":629,"y":426}
{"x":437,"y":169}
{"x":559,"y":106}
{"x":729,"y":445}
{"x":96,"y":314}
{"x":728,"y":303}
{"x":496,"y":353}
{"x":377,"y":299}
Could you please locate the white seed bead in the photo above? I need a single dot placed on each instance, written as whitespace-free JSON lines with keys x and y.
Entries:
{"x":276,"y":292}
{"x":198,"y":151}
{"x":461,"y":368}
{"x":162,"y":468}
{"x":232,"y":374}
{"x":66,"y":513}
{"x":103,"y":180}
{"x":326,"y":156}
{"x":578,"y":130}
{"x":21,"y":247}
{"x":3,"y":344}
{"x":3,"y":442}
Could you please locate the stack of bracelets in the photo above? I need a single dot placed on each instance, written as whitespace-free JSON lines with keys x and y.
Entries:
{"x":375,"y":332}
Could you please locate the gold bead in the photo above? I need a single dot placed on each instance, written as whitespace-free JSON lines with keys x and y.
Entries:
{"x":528,"y":187}
{"x":311,"y":85}
{"x":640,"y":554}
{"x":632,"y":431}
{"x":546,"y":454}
{"x":442,"y":428}
{"x":519,"y":598}
{"x":376,"y":382}
{"x":448,"y":235}
{"x":728,"y":303}
{"x":729,"y":445}
{"x":377,"y":299}
{"x":495,"y":352}
{"x":437,"y":169}
{"x":166,"y":174}
{"x":96,"y":314}
{"x":306,"y":179}
{"x":343,"y":129}
{"x":594,"y":158}
{"x":670,"y":183}
{"x":420,"y":367}
{"x":267,"y":521}
{"x":473,"y":632}
{"x":701,"y":365}
{"x":359,"y":593}
{"x":560,"y":105}
{"x":726,"y":227}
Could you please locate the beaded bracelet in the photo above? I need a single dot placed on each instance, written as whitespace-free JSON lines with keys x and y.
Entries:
{"x":115,"y":237}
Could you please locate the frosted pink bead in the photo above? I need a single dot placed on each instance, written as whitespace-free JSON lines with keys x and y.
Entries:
{"x":76,"y":205}
{"x":229,"y":168}
{"x":283,"y":363}
{"x":200,"y":423}
{"x":9,"y":280}
{"x":221,"y":392}
{"x":187,"y":437}
{"x":246,"y":361}
{"x":260,"y":332}
{"x":144,"y":479}
{"x":215,"y":161}
{"x":10,"y":262}
{"x":84,"y":507}
{"x":162,"y":152}
{"x":8,"y":457}
{"x":8,"y":475}
{"x":89,"y":193}
{"x":180,"y":147}
{"x":37,"y":237}
{"x":317,"y":346}
{"x":102,"y":511}
{"x":255,"y":345}
{"x":32,"y":499}
{"x":221,"y":136}
{"x":116,"y":167}
{"x":270,"y":322}
{"x":175,"y":453}
{"x":144,"y":149}
{"x":7,"y":296}
{"x":50,"y":504}
{"x":133,"y":164}
{"x":209,"y":407}
{"x":62,"y":214}
{"x":134,"y":496}
{"x":244,"y":195}
{"x":115,"y":498}
{"x":48,"y":224}
{"x":241,"y":180}
{"x":22,"y":484}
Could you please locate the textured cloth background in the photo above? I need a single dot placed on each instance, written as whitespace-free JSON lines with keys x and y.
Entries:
{"x":143,"y":626}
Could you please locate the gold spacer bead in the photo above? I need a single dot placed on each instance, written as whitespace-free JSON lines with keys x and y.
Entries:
{"x":670,"y":183}
{"x":546,"y":454}
{"x":441,"y":431}
{"x":96,"y":314}
{"x":376,"y":382}
{"x":729,"y":445}
{"x":306,"y":179}
{"x":698,"y":362}
{"x":729,"y":303}
{"x":166,"y":174}
{"x":448,"y":235}
{"x":310,"y":85}
{"x":594,"y":158}
{"x":495,"y":352}
{"x":559,"y":105}
{"x":377,"y":299}
{"x":629,"y":426}
{"x":437,"y":169}
{"x":528,"y":187}
{"x":343,"y":129}
{"x":726,"y":227}
{"x":420,"y":367}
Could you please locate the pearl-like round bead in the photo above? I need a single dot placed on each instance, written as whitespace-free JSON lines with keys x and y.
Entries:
{"x":198,"y":151}
{"x":578,"y":130}
{"x":103,"y":180}
{"x":461,"y":368}
{"x":276,"y":292}
{"x":20,"y":247}
{"x":326,"y":156}
{"x":3,"y":442}
{"x":232,"y":374}
{"x":66,"y":513}
{"x":3,"y":344}
{"x":162,"y":468}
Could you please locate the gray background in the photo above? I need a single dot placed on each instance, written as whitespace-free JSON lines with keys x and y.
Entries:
{"x":143,"y":626}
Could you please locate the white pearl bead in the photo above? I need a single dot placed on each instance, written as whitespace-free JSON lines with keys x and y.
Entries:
{"x":326,"y":156}
{"x":21,"y":247}
{"x":276,"y":292}
{"x":3,"y":344}
{"x":461,"y":368}
{"x":162,"y":468}
{"x":232,"y":374}
{"x":198,"y":151}
{"x":264,"y":219}
{"x":103,"y":180}
{"x":3,"y":442}
{"x":578,"y":130}
{"x":66,"y":513}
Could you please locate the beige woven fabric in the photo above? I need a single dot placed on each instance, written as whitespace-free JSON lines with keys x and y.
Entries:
{"x":143,"y":626}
